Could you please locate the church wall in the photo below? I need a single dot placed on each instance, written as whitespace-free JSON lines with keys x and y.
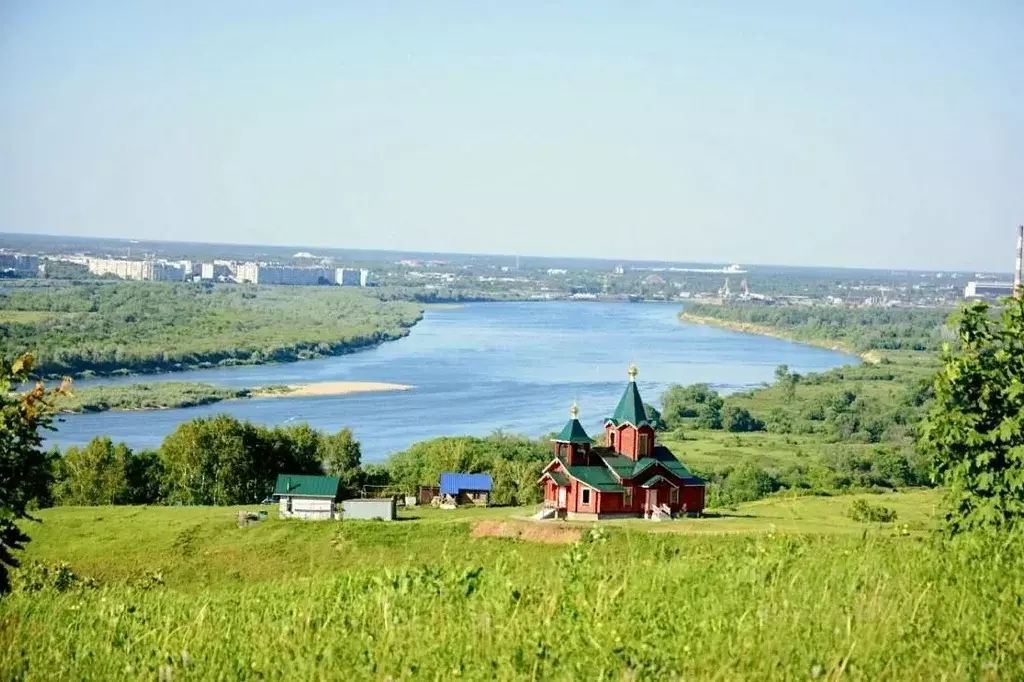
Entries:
{"x":692,"y":497}
{"x":590,"y":507}
{"x":627,"y":441}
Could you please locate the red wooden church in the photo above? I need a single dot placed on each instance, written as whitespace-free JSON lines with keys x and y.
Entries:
{"x":629,"y":476}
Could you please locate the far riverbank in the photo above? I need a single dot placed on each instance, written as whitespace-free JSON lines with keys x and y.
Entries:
{"x":872,"y":357}
{"x":173,"y":395}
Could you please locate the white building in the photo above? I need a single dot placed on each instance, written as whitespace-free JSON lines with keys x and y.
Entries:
{"x":150,"y":270}
{"x":307,"y":497}
{"x":987,"y":291}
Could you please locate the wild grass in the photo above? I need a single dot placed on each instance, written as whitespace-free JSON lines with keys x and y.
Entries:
{"x":185,"y":594}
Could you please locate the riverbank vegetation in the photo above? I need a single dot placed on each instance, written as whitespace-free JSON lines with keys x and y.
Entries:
{"x":156,"y":396}
{"x":856,"y":330}
{"x":109,"y":327}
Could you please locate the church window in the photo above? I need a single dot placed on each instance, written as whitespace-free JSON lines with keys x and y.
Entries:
{"x":673,"y":497}
{"x":627,"y":497}
{"x":645,"y":445}
{"x":586,"y":496}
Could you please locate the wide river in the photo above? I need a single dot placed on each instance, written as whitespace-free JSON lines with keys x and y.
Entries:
{"x":516,"y":367}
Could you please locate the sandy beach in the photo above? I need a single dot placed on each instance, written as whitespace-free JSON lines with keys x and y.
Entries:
{"x":332,"y":388}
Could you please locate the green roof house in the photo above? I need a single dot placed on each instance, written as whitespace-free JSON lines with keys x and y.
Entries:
{"x":307,"y":497}
{"x":627,"y":475}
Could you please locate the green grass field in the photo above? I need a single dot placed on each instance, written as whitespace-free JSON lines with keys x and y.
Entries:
{"x":776,"y":589}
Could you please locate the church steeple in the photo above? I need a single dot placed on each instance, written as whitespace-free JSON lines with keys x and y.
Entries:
{"x":573,"y":431}
{"x":572,"y":442}
{"x":628,"y":431}
{"x":630,"y":409}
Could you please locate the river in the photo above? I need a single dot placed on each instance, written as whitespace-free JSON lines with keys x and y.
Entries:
{"x":478,"y":368}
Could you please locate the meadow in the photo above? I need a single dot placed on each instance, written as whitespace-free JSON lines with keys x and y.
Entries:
{"x":786,"y":588}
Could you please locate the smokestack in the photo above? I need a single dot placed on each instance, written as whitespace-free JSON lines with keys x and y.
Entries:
{"x":1020,"y":256}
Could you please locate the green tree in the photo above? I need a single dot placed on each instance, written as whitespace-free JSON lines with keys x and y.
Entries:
{"x":975,"y":428}
{"x":738,"y":419}
{"x":341,"y":456}
{"x":654,"y":417}
{"x":221,"y":460}
{"x":93,"y":475}
{"x":26,"y":471}
{"x":697,"y":402}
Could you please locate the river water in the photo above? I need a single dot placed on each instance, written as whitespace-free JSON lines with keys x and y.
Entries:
{"x":478,"y":368}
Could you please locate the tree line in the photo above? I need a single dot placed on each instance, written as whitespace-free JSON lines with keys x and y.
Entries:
{"x":860,"y":329}
{"x":106,"y":327}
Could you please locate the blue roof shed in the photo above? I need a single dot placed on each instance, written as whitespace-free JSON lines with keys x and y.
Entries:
{"x":453,"y":484}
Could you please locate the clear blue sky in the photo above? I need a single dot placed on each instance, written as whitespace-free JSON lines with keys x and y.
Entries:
{"x":873,"y":133}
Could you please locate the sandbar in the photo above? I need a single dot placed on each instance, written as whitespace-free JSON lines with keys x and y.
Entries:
{"x":329,"y":388}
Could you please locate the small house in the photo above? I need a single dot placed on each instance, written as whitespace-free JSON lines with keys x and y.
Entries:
{"x":466,"y":488}
{"x":306,"y":497}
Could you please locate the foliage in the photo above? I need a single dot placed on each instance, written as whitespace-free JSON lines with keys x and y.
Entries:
{"x":697,"y":401}
{"x":863,"y":511}
{"x":58,"y":577}
{"x":514,"y":462}
{"x":220,"y":460}
{"x":105,"y":327}
{"x":854,"y":329}
{"x":341,"y":456}
{"x":738,"y":419}
{"x":25,"y":469}
{"x":160,"y":395}
{"x":421,"y":598}
{"x":104,"y":473}
{"x":975,"y":428}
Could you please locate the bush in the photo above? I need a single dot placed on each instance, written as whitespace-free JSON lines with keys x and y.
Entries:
{"x":870,"y":513}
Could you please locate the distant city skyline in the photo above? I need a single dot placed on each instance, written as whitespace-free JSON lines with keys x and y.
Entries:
{"x":878,"y":135}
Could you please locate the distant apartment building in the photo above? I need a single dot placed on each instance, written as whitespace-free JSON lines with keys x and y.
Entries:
{"x":149,"y":270}
{"x":351,"y":277}
{"x":258,"y":273}
{"x":215,"y":271}
{"x":987,"y":291}
{"x":18,"y":263}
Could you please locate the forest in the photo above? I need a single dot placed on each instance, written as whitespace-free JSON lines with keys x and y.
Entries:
{"x":858,"y":330}
{"x":84,"y":328}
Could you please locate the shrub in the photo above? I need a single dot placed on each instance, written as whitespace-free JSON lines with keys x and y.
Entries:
{"x":870,"y":513}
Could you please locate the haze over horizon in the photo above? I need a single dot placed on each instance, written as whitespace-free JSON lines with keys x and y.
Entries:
{"x":870,"y":136}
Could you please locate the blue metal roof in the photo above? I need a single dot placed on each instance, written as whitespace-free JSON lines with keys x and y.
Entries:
{"x":452,"y":484}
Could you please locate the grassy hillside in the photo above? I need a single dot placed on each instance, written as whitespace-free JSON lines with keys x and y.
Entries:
{"x":795,"y":590}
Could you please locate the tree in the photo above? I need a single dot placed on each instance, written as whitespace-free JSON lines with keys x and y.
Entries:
{"x":105,"y":473}
{"x":221,"y":460}
{"x":697,"y":401}
{"x":26,"y":471}
{"x":974,"y":431}
{"x":93,"y":475}
{"x":739,"y":419}
{"x":654,"y":417}
{"x":341,"y":456}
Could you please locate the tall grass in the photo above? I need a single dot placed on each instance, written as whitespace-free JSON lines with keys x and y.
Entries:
{"x":424,"y":600}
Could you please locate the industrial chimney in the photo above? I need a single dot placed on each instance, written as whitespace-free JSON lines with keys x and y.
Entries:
{"x":1020,"y":256}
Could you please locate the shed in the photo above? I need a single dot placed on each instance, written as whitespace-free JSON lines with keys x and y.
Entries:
{"x":466,"y":488}
{"x":370,"y":508}
{"x":306,"y":497}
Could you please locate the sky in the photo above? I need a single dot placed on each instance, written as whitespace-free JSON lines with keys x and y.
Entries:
{"x":868,"y":134}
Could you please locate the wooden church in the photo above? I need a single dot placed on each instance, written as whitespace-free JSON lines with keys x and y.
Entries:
{"x":630,"y":475}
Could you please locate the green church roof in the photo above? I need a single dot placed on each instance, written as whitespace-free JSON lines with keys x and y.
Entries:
{"x":597,"y":477}
{"x":572,"y":432}
{"x":630,"y":409}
